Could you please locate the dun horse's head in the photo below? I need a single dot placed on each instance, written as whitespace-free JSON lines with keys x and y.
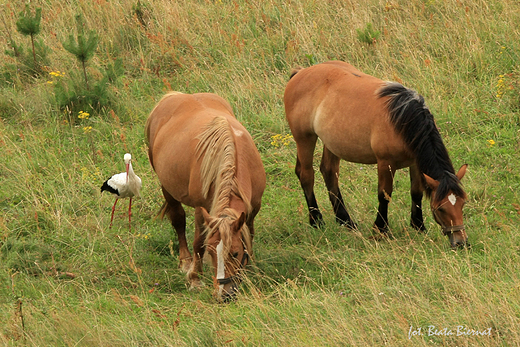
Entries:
{"x":447,"y":201}
{"x":228,"y":244}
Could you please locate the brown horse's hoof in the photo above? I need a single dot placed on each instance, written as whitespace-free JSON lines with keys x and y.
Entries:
{"x":185,"y":265}
{"x":196,"y":284}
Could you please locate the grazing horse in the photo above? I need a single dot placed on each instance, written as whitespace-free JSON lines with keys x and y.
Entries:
{"x":362,"y":119}
{"x":206,"y":159}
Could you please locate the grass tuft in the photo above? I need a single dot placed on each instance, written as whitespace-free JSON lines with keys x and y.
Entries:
{"x":67,"y":279}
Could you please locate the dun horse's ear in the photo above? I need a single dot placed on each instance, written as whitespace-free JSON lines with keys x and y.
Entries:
{"x":237,"y":225}
{"x":433,"y":184}
{"x":462,"y":171}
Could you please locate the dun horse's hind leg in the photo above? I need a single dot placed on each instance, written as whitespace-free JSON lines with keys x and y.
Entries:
{"x":305,"y":173}
{"x":385,"y":173}
{"x":417,"y":194}
{"x":330,"y":170}
{"x":198,"y":251}
{"x":177,"y":216}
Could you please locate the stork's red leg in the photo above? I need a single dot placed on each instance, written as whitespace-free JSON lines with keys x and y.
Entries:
{"x":113,"y":209}
{"x":130,"y":215}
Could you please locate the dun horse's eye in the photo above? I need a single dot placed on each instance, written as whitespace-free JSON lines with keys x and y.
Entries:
{"x":235,"y":255}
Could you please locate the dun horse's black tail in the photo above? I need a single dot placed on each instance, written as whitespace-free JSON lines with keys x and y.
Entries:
{"x":294,"y":71}
{"x":414,"y":122}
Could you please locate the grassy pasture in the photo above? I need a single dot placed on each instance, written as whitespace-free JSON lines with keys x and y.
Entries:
{"x":66,"y":279}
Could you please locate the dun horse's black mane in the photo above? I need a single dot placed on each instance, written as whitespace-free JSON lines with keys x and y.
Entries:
{"x":413,"y":120}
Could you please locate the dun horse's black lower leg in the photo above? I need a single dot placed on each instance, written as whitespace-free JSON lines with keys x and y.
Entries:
{"x":381,"y":222}
{"x":416,"y":189}
{"x":417,"y":218}
{"x":330,"y":170}
{"x":385,"y":173}
{"x":315,"y":216}
{"x":305,"y":173}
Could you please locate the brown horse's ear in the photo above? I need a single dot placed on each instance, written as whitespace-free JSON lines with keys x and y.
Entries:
{"x":237,"y":225}
{"x":462,"y":171}
{"x":433,"y":184}
{"x":206,"y":216}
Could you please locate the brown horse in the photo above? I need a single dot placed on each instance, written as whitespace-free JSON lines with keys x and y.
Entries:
{"x":362,"y":119}
{"x":206,"y":159}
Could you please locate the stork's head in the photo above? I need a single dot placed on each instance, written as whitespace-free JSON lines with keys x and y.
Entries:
{"x":128,"y":159}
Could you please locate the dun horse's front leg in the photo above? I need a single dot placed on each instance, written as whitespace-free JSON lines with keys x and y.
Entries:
{"x":416,"y":190}
{"x":385,"y":173}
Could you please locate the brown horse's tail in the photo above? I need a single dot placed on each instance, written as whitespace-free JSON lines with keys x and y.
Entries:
{"x":294,"y":71}
{"x":162,"y":211}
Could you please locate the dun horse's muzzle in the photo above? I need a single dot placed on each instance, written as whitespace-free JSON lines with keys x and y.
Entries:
{"x":457,"y":235}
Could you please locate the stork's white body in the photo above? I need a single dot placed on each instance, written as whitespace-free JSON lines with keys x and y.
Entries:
{"x":123,"y":185}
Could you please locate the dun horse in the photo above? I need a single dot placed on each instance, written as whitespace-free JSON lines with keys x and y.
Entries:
{"x":206,"y":159}
{"x":362,"y":119}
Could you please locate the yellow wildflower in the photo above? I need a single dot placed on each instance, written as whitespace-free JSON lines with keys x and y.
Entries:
{"x":83,"y":115}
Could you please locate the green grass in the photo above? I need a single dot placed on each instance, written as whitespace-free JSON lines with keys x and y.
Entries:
{"x":66,"y":279}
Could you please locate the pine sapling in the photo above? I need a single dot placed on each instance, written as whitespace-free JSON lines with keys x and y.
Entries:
{"x":30,"y":26}
{"x":85,"y":45}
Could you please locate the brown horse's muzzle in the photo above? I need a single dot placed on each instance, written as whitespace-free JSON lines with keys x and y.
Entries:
{"x":230,"y":284}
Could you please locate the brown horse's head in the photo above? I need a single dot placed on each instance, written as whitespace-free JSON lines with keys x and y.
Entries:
{"x":446,"y":205}
{"x":228,"y":243}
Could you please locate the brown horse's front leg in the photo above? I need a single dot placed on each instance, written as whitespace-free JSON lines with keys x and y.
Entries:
{"x":305,"y":173}
{"x":177,"y":216}
{"x":329,"y":168}
{"x":386,"y":177}
{"x":198,"y":251}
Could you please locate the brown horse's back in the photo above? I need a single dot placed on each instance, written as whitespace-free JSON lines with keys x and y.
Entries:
{"x":336,"y":101}
{"x":172,"y":130}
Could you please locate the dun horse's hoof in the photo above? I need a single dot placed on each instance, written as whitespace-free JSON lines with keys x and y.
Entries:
{"x":348,"y":224}
{"x":419,"y":227}
{"x":380,"y":234}
{"x":316,"y":221}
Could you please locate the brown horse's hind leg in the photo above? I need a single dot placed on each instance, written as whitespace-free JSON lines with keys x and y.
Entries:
{"x":198,"y":251}
{"x":417,"y":194}
{"x":177,"y":216}
{"x":385,"y":173}
{"x":330,"y":170}
{"x":305,"y":173}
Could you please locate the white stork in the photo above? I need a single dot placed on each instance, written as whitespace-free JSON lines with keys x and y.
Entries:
{"x":123,"y":185}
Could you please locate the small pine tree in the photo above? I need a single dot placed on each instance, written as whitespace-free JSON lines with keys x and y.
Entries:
{"x":114,"y":71}
{"x":368,"y":35}
{"x":85,"y":45}
{"x":29,"y":26}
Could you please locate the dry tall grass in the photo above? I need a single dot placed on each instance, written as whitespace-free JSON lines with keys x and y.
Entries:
{"x":66,"y":279}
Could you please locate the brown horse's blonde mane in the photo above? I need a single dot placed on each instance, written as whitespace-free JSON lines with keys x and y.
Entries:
{"x":217,"y":149}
